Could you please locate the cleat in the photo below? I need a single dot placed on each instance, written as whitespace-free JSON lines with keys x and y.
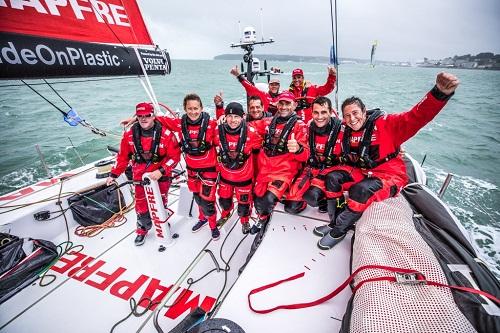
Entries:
{"x":245,"y":228}
{"x":322,"y":230}
{"x":215,"y":234}
{"x":139,"y":240}
{"x":198,"y":225}
{"x":328,"y":241}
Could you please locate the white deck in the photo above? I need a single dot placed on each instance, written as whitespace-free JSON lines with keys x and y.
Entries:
{"x":289,"y":247}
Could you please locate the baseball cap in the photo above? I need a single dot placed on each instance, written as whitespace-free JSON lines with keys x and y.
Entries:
{"x":274,"y":80}
{"x":143,"y":109}
{"x":297,"y":71}
{"x":286,"y":96}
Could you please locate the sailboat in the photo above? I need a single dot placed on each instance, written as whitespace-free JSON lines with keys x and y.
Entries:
{"x":405,"y":268}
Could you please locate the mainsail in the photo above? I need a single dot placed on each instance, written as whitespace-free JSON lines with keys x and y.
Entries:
{"x":70,"y":39}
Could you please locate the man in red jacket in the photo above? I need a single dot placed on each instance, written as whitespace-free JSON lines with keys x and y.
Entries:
{"x":284,"y":150}
{"x":305,"y":93}
{"x":324,"y":179}
{"x":372,"y":142}
{"x":196,"y":131}
{"x":153,"y":149}
{"x":235,"y":141}
{"x":269,"y":98}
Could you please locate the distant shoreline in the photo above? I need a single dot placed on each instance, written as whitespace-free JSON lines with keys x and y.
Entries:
{"x":483,"y":61}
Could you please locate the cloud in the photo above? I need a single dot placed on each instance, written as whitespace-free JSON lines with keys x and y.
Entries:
{"x":408,"y":30}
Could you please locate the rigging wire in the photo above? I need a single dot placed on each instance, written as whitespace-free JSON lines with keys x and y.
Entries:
{"x":335,"y":49}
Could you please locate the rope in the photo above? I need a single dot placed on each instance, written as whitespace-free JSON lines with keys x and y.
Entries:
{"x":117,"y":220}
{"x":133,"y":310}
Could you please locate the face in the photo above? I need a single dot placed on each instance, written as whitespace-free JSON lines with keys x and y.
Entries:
{"x":285,"y":108}
{"x":255,"y":109}
{"x":233,"y":120}
{"x":274,"y":87}
{"x":193,"y":109}
{"x":321,"y":114}
{"x":147,"y":121}
{"x":354,"y":116}
{"x":298,"y":80}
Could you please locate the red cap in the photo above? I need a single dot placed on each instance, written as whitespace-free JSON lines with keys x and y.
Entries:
{"x":286,"y":96}
{"x":143,"y":109}
{"x":297,"y":71}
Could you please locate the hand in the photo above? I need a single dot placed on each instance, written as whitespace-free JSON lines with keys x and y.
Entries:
{"x":292,"y":144}
{"x":235,"y":71}
{"x":218,"y":99}
{"x":221,"y":120}
{"x":127,"y":122}
{"x":332,"y":71}
{"x":447,"y":83}
{"x":307,"y":83}
{"x":155,"y":175}
{"x":110,"y":180}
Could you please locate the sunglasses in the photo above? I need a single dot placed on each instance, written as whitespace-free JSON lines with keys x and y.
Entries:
{"x":145,"y":116}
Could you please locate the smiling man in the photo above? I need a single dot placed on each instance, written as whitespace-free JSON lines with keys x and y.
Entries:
{"x":151,"y":148}
{"x":284,"y":150}
{"x":324,"y":179}
{"x":372,"y":142}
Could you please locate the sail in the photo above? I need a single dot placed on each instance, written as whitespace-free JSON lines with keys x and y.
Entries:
{"x":372,"y":55}
{"x":71,"y":39}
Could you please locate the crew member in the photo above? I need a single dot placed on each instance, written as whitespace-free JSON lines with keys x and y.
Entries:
{"x":372,"y":142}
{"x":269,"y":98}
{"x":305,"y":93}
{"x":152,"y":148}
{"x":324,"y":179}
{"x":196,"y":131}
{"x":235,"y":141}
{"x":284,"y":150}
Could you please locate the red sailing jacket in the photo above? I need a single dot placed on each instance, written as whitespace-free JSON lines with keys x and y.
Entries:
{"x":320,"y":142}
{"x":304,"y":96}
{"x":168,"y":152}
{"x":392,"y":130}
{"x":268,"y":100}
{"x":285,"y":166}
{"x":195,"y":163}
{"x":246,"y":171}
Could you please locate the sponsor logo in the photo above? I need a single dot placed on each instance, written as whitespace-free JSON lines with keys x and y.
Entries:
{"x":153,"y":211}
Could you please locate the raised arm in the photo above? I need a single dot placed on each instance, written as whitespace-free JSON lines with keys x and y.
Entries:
{"x":406,"y":124}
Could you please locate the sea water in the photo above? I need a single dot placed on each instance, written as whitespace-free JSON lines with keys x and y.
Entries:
{"x":463,"y":139}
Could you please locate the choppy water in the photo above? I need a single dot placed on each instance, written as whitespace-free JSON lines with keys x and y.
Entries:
{"x":463,"y":139}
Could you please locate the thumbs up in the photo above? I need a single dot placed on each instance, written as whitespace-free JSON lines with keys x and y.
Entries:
{"x":292,"y":144}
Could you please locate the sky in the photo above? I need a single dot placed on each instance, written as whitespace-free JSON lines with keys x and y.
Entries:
{"x":406,"y":30}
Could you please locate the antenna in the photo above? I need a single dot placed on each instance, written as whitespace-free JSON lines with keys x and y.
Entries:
{"x":239,"y":30}
{"x":261,"y":24}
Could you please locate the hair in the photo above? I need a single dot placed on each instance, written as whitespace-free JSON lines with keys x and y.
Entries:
{"x":191,"y":97}
{"x":322,"y":100}
{"x":354,"y":100}
{"x":255,"y":98}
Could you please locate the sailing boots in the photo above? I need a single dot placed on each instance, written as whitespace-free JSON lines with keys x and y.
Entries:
{"x":322,"y":230}
{"x":245,"y":228}
{"x":199,"y":224}
{"x":259,"y":225}
{"x":330,"y":240}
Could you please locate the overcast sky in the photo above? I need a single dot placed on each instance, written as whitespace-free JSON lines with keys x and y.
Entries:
{"x":405,"y":29}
